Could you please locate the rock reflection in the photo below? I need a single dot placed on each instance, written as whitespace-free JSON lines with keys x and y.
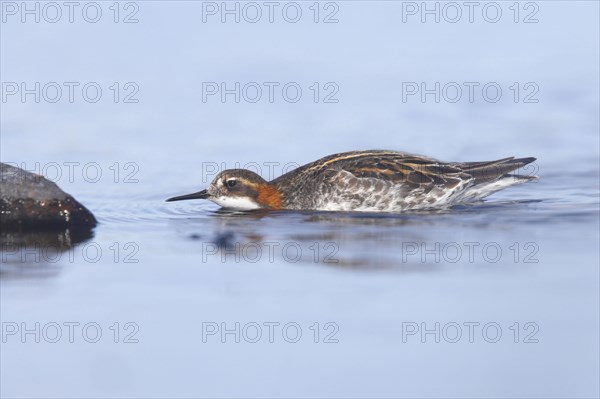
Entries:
{"x":26,"y":253}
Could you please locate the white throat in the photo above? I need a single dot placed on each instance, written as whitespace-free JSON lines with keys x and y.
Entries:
{"x":241,"y":203}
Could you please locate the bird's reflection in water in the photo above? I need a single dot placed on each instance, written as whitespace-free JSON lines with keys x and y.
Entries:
{"x":27,"y":253}
{"x":348,"y":240}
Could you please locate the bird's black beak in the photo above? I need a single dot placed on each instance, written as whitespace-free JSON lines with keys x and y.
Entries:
{"x":199,"y":195}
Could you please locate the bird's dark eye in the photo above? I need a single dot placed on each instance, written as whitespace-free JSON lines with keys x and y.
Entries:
{"x":231,"y":183}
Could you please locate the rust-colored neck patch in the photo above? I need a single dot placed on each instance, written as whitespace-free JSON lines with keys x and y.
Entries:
{"x":269,"y":197}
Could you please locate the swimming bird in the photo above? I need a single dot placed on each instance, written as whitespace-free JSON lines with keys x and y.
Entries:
{"x":365,"y":181}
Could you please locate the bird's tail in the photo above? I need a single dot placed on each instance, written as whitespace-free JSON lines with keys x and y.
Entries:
{"x":489,"y":171}
{"x":490,"y":177}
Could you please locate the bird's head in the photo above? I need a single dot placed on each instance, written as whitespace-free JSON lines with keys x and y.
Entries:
{"x":238,"y":189}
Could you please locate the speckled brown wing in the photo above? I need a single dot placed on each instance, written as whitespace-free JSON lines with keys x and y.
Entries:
{"x":401,"y":169}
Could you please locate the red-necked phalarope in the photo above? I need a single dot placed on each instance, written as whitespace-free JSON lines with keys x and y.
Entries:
{"x":365,"y":181}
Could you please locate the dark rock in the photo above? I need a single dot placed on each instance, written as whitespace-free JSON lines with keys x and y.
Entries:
{"x":28,"y":200}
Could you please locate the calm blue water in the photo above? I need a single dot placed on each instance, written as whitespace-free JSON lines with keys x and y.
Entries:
{"x":497,"y":299}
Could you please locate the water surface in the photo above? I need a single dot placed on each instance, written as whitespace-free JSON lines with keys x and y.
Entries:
{"x":328,"y":304}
